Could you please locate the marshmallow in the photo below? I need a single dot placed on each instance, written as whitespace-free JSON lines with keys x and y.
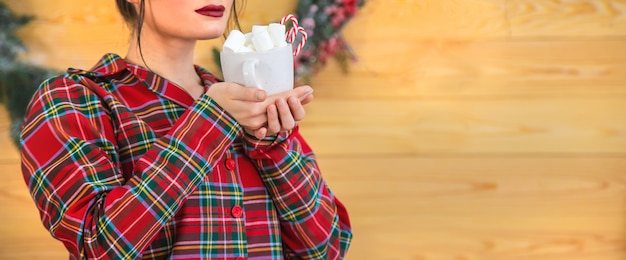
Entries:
{"x":262,"y":41}
{"x":277,"y":33}
{"x":262,"y":38}
{"x":235,"y":41}
{"x":256,"y":29}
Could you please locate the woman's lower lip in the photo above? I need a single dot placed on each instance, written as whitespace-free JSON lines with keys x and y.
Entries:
{"x":212,"y":10}
{"x":211,"y":13}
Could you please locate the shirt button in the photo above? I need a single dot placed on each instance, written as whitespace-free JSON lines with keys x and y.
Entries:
{"x":237,"y":211}
{"x":240,"y":258}
{"x":230,"y":164}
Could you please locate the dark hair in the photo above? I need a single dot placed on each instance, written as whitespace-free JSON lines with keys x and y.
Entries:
{"x":134,"y":18}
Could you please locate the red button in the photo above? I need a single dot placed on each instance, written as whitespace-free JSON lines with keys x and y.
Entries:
{"x":230,"y":164}
{"x":240,"y":258}
{"x":237,"y":211}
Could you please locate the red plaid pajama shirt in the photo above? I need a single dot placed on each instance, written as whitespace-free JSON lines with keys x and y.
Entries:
{"x":123,"y":164}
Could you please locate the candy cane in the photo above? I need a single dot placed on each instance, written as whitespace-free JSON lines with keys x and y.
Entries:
{"x":291,"y":34}
{"x":305,"y":36}
{"x":293,"y":31}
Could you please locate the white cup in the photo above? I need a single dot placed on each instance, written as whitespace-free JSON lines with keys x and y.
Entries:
{"x":270,"y":70}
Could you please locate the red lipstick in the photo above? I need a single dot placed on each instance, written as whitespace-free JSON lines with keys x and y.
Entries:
{"x":216,"y":11}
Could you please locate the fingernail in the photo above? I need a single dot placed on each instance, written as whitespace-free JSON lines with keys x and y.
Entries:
{"x":260,"y":95}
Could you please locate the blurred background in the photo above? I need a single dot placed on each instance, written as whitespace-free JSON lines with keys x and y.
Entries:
{"x":468,"y":129}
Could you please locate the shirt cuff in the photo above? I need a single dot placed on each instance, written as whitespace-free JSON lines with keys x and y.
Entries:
{"x":206,"y":127}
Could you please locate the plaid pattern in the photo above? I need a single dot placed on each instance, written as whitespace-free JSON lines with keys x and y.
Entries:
{"x":122,"y":164}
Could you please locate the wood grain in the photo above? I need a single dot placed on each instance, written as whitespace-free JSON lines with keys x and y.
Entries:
{"x":467,"y":126}
{"x":572,"y":18}
{"x":8,"y":153}
{"x":408,"y":20}
{"x":482,"y":208}
{"x":477,"y":69}
{"x":23,"y":235}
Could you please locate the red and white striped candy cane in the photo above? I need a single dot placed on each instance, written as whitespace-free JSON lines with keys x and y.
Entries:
{"x":293,"y":31}
{"x":291,"y":34}
{"x":305,"y":36}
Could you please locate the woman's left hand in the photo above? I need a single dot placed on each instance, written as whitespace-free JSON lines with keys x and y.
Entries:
{"x":283,"y":111}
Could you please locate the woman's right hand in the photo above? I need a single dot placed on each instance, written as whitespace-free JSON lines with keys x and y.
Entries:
{"x":245,"y":104}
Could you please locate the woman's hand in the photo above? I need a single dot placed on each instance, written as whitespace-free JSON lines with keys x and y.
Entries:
{"x":246,"y":105}
{"x":283,"y":111}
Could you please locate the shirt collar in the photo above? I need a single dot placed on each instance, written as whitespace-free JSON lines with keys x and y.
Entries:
{"x":112,"y":64}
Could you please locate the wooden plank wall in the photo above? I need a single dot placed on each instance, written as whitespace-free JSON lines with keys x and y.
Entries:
{"x":469,"y":129}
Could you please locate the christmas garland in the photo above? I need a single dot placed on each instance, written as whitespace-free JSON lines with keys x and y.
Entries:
{"x":323,"y":20}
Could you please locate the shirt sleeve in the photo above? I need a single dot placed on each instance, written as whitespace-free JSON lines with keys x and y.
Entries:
{"x":85,"y":200}
{"x":314,"y":224}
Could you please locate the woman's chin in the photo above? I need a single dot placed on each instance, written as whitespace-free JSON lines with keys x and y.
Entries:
{"x":210,"y":37}
{"x":211,"y":31}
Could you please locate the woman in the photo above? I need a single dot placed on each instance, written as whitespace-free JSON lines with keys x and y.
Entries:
{"x":149,"y":156}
